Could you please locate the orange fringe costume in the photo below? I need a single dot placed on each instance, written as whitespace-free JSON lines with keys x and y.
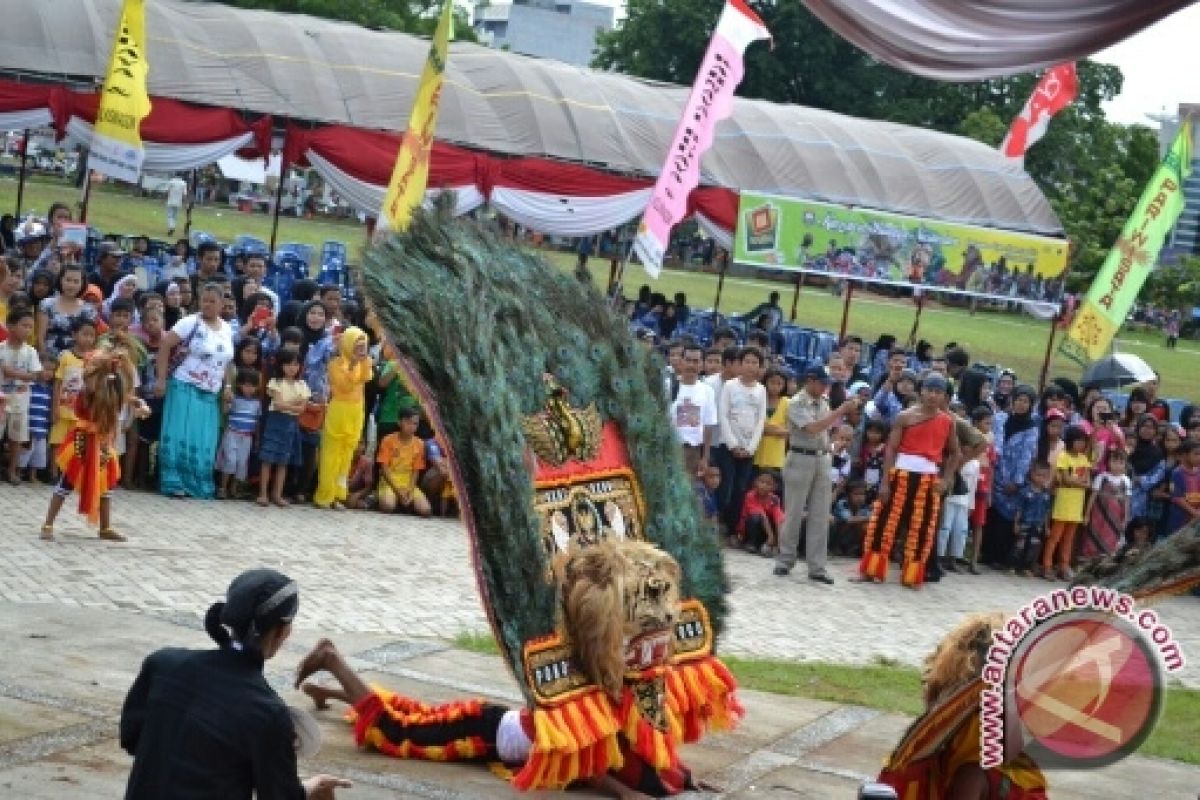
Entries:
{"x":585,"y":736}
{"x":913,"y":507}
{"x":88,"y":462}
{"x":947,"y":739}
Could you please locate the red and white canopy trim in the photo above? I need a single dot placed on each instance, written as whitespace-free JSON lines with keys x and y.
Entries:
{"x":179,"y":136}
{"x":548,"y":196}
{"x":29,"y":106}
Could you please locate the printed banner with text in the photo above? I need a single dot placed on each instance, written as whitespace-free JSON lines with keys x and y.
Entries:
{"x":406,"y":190}
{"x":1133,"y":257}
{"x":116,"y":149}
{"x":878,"y":247}
{"x":711,"y":99}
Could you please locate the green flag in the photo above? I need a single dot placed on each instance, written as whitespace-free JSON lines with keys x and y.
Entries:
{"x":1133,"y":257}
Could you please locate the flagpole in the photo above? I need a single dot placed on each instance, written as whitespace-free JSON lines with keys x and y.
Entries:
{"x":796,"y":296}
{"x":1054,"y":320}
{"x":87,"y":195}
{"x":846,"y":309}
{"x":187,"y":223}
{"x":721,"y":282}
{"x":617,"y":290}
{"x":912,"y":335}
{"x":278,"y":202}
{"x":21,"y":174}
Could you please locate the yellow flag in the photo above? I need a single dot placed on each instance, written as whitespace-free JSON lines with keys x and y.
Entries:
{"x":407,"y":188}
{"x":116,"y":148}
{"x":1115,"y":287}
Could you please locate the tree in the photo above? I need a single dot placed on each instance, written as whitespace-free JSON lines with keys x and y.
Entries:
{"x":409,"y":16}
{"x":1091,"y":170}
{"x":1176,"y":286}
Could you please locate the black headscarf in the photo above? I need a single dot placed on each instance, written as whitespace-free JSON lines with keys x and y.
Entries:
{"x":256,"y":602}
{"x":311,"y":336}
{"x":1146,"y":454}
{"x":970,"y":388}
{"x":1019,"y":423}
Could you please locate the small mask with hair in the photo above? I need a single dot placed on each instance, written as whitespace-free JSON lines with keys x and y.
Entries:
{"x":615,"y":593}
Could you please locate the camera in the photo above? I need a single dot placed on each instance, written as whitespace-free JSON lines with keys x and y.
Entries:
{"x":1107,"y":416}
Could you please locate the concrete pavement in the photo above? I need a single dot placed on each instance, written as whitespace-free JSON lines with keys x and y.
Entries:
{"x":77,"y":616}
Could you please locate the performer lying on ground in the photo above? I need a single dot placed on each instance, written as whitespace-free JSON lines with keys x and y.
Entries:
{"x":461,"y":730}
{"x":620,"y":605}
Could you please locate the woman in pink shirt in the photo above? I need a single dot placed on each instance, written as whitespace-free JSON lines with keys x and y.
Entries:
{"x":1100,"y":423}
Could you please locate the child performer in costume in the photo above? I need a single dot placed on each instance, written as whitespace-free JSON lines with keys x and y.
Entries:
{"x":87,"y":459}
{"x":348,"y":374}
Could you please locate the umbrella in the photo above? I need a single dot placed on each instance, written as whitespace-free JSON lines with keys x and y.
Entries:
{"x":1119,"y":369}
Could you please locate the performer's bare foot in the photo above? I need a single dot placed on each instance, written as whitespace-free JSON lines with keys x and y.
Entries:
{"x":317,"y":659}
{"x":321,"y":695}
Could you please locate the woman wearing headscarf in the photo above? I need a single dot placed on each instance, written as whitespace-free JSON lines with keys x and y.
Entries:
{"x":1002,"y":393}
{"x":316,"y":351}
{"x":205,"y":723}
{"x":1016,"y":445}
{"x":1147,"y":468}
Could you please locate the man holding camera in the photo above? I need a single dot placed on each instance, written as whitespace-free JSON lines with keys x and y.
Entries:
{"x":806,"y":476}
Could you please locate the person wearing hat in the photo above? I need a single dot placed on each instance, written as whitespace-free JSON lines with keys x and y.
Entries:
{"x":919,"y":466}
{"x":205,"y":723}
{"x":808,"y":488}
{"x":108,"y":268}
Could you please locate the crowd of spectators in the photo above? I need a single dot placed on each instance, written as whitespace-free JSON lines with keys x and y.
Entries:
{"x":286,"y":400}
{"x":1046,"y":478}
{"x":280,"y":400}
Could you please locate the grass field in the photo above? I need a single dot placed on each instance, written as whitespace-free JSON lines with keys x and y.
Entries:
{"x":897,"y":689}
{"x":1009,"y":339}
{"x":1013,"y":340}
{"x":115,"y":210}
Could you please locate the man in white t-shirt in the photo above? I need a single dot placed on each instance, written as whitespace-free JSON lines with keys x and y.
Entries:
{"x":176,"y":191}
{"x":693,"y":412}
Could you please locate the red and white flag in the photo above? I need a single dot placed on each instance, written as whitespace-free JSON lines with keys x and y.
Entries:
{"x":1057,"y":89}
{"x":711,"y":100}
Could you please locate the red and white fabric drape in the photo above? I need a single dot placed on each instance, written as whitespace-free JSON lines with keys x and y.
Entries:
{"x":29,"y":106}
{"x":179,"y":136}
{"x":543,"y":195}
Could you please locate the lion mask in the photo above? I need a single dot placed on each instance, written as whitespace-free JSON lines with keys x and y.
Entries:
{"x":620,"y":605}
{"x":960,"y":656}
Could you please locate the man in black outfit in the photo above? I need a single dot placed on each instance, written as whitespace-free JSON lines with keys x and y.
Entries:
{"x":205,"y":724}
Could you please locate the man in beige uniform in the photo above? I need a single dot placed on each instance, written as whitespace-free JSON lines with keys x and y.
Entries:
{"x":806,"y":476}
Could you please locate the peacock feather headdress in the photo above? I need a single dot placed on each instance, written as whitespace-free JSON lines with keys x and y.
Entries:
{"x":556,"y":423}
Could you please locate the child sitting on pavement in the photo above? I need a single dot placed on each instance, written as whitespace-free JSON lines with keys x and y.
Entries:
{"x":401,"y":458}
{"x":762,"y":516}
{"x":851,"y":513}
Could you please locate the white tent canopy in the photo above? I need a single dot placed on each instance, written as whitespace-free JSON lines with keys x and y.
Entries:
{"x":311,"y":69}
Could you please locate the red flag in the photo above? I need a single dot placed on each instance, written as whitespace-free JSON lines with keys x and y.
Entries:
{"x":1056,"y":90}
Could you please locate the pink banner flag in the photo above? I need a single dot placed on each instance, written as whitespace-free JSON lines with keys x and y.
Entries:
{"x":711,"y":99}
{"x":1057,"y":89}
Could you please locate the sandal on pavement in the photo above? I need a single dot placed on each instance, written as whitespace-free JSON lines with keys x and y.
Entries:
{"x":47,"y":533}
{"x":108,"y":534}
{"x":262,"y":501}
{"x":279,"y":501}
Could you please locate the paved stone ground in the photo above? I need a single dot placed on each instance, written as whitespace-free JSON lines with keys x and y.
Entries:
{"x":77,"y":615}
{"x":368,"y":573}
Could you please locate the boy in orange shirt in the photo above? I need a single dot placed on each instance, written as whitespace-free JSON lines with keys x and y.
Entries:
{"x":401,"y":458}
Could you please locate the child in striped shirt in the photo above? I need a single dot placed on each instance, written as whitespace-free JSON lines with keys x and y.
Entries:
{"x":241,"y":427}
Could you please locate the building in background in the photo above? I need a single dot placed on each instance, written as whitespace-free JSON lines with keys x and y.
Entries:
{"x":1185,"y":238}
{"x":563,"y":30}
